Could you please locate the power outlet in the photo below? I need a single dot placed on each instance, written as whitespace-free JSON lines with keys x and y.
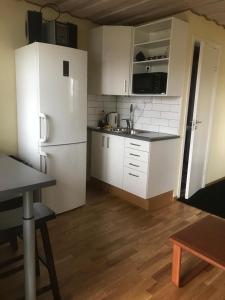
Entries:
{"x":148,"y":69}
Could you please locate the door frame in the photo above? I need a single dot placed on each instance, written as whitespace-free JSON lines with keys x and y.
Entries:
{"x":186,"y":105}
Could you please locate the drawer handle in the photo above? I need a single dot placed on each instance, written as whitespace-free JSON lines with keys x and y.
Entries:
{"x":134,"y":165}
{"x":133,"y":175}
{"x":135,"y":155}
{"x":135,"y":144}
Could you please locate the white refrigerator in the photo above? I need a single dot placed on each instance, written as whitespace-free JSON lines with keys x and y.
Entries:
{"x":51,"y":86}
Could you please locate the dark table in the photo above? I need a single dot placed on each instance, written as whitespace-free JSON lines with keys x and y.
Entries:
{"x":17,"y":178}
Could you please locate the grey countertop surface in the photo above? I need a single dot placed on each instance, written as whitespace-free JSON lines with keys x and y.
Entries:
{"x":16,"y":177}
{"x":149,"y":136}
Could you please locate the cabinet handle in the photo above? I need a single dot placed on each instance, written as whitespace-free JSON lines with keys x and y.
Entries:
{"x":133,"y":175}
{"x":134,"y":165}
{"x":125,"y":86}
{"x":135,"y":155}
{"x":103,"y":141}
{"x":135,"y":144}
{"x":107,"y":142}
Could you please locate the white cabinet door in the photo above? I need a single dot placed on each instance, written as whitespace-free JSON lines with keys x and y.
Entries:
{"x":107,"y":157}
{"x":97,"y":155}
{"x":67,"y":164}
{"x":116,"y":59}
{"x":113,"y":160}
{"x":109,"y":55}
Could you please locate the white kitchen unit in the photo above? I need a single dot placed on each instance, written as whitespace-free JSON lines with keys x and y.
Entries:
{"x":149,"y":167}
{"x":107,"y":153}
{"x":109,"y":60}
{"x":52,"y":119}
{"x":164,"y":45}
{"x":142,"y":168}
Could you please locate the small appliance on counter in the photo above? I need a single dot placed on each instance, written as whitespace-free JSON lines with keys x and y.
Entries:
{"x":112,"y":119}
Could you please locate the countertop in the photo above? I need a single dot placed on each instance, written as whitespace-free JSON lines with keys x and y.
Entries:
{"x":16,"y":177}
{"x":149,"y":136}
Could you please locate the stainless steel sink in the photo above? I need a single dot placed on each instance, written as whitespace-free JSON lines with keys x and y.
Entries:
{"x":123,"y":130}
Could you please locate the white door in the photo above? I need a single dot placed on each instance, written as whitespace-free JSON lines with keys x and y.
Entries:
{"x":116,"y":59}
{"x":63,"y":94}
{"x":114,"y":160}
{"x":206,"y":84}
{"x":67,"y":164}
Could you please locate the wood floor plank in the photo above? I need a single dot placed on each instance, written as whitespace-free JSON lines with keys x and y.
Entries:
{"x":111,"y":250}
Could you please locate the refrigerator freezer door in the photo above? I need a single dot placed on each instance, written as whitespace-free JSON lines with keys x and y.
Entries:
{"x":67,"y":164}
{"x":62,"y":94}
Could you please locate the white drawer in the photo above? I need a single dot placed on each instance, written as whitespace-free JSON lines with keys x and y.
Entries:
{"x":136,"y":154}
{"x":137,"y":144}
{"x":137,"y":165}
{"x":135,"y":182}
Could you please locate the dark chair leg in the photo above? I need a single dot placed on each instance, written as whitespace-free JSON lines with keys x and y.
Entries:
{"x":14,"y":243}
{"x":37,"y":258}
{"x":50,"y":261}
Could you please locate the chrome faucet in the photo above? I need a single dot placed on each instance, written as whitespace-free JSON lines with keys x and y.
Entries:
{"x":130,"y":121}
{"x":131,"y":117}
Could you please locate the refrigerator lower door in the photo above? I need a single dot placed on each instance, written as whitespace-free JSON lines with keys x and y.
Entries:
{"x":67,"y":164}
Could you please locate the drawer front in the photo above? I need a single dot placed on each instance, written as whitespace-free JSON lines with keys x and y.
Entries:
{"x":137,"y":165}
{"x":137,"y":155}
{"x":137,"y":144}
{"x":135,"y":182}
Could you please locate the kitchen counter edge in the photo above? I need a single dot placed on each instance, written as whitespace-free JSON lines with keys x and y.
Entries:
{"x":132,"y":136}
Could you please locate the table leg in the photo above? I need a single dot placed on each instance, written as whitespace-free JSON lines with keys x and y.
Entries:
{"x":177,"y":252}
{"x":29,"y":246}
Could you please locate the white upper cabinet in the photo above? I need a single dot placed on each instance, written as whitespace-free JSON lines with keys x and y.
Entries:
{"x":162,"y":45}
{"x":109,"y":60}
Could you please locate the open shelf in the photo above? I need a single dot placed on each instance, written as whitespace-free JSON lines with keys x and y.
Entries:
{"x":156,"y":43}
{"x":152,"y":61}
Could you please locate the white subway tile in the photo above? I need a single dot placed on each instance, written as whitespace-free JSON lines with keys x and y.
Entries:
{"x":174,"y":123}
{"x":175,"y":107}
{"x":170,"y":130}
{"x":151,"y":113}
{"x":170,"y":115}
{"x":154,"y":128}
{"x":171,"y":100}
{"x":92,"y":123}
{"x":161,"y":107}
{"x":157,"y":100}
{"x":162,"y":122}
{"x":91,"y":110}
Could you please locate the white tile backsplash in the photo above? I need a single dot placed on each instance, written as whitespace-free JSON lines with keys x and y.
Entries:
{"x":160,"y":114}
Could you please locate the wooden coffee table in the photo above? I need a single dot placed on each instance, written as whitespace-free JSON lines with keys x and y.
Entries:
{"x":204,"y":239}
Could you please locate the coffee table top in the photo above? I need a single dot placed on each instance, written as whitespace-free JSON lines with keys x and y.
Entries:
{"x":16,"y":177}
{"x":206,"y":237}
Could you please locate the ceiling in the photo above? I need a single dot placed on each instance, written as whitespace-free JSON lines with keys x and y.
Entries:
{"x":132,"y":12}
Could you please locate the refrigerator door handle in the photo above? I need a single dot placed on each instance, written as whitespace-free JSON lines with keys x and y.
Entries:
{"x":46,"y":131}
{"x":43,"y":155}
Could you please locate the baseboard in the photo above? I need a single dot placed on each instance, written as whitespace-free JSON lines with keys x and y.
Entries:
{"x":151,"y":204}
{"x":215,"y":181}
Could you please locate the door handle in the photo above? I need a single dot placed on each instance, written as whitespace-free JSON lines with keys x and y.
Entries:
{"x":46,"y":128}
{"x":107,"y":142}
{"x":198,"y":122}
{"x":43,"y":155}
{"x":125,"y":85}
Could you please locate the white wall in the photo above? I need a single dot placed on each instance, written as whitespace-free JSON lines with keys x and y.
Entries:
{"x":12,"y":36}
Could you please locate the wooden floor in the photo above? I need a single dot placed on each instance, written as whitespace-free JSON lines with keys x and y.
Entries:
{"x":111,"y":250}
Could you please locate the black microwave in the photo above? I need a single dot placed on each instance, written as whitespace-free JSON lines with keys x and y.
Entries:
{"x":150,"y":83}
